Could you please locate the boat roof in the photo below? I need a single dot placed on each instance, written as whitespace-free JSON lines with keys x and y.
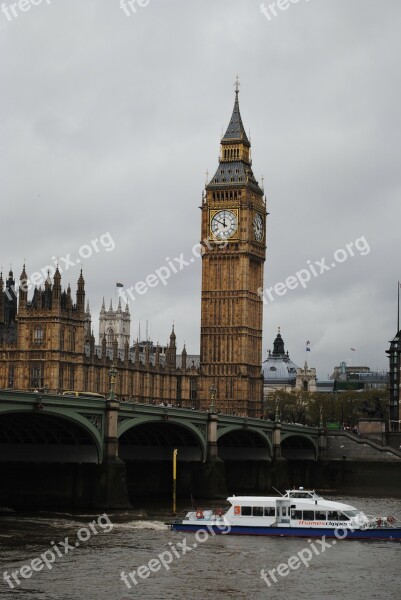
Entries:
{"x":310,"y":501}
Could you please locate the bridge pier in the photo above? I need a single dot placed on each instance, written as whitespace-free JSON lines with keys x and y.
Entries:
{"x":279,"y":475}
{"x":212,"y":448}
{"x":322,"y":443}
{"x":111,"y":478}
{"x":211,"y":474}
{"x":277,"y":440}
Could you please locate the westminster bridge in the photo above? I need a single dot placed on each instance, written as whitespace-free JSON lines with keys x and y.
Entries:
{"x":82,"y":451}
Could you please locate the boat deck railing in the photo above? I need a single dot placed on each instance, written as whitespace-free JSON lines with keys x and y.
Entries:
{"x":389,"y":522}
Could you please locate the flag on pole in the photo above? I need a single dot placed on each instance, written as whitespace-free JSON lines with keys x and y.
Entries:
{"x":119,"y":284}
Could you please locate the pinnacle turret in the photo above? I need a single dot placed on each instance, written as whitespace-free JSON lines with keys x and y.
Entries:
{"x":278,"y":345}
{"x":236,"y":131}
{"x":23,"y":289}
{"x":234,"y":170}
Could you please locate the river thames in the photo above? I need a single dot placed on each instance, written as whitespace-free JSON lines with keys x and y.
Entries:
{"x":85,"y":562}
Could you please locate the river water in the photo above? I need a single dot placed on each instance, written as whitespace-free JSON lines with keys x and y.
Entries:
{"x":220,"y":567}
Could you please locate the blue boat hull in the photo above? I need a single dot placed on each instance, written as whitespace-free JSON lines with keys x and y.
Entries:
{"x":301,"y":532}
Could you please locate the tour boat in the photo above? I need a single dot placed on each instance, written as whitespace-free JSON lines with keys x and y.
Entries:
{"x":297,"y":513}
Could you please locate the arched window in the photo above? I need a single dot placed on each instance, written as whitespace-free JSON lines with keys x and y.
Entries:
{"x":36,"y":375}
{"x":110,"y":336}
{"x":72,"y":340}
{"x":61,"y":377}
{"x":11,"y":376}
{"x":38,"y":335}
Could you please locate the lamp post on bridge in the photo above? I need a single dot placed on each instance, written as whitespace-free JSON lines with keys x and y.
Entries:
{"x":112,"y":377}
{"x":277,"y":433}
{"x":321,"y":424}
{"x":277,"y":413}
{"x":111,"y":424}
{"x":213,"y":392}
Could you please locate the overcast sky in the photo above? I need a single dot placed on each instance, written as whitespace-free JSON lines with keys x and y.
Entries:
{"x":109,"y":123}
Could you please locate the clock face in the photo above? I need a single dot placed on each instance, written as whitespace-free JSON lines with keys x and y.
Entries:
{"x":258,"y":227}
{"x":224,"y":224}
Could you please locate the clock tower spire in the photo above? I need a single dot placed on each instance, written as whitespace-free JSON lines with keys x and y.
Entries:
{"x":234,"y":226}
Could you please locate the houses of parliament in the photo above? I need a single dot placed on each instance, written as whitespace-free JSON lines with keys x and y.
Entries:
{"x":47,"y":342}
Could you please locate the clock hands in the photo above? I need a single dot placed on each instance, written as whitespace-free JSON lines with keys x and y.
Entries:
{"x":224,"y":224}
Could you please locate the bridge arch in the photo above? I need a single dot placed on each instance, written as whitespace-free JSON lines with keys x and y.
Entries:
{"x":233,"y":440}
{"x":298,"y":446}
{"x":48,"y":435}
{"x":154,"y":438}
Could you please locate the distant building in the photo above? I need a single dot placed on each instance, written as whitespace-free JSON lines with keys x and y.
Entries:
{"x":306,"y":379}
{"x":394,"y":382}
{"x":343,"y":371}
{"x":281,"y":373}
{"x":359,"y":378}
{"x":115,"y":325}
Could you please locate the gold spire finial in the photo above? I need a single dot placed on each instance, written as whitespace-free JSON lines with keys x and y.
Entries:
{"x":237,"y":84}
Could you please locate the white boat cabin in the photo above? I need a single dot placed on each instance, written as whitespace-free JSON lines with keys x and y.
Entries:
{"x":296,"y":508}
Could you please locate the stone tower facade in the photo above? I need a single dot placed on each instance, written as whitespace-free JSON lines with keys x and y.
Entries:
{"x":234,"y":240}
{"x":8,"y":310}
{"x":115,"y":325}
{"x":43,"y":341}
{"x":306,"y":379}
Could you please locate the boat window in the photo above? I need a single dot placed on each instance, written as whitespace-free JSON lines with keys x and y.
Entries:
{"x":309,"y":515}
{"x":270,"y":511}
{"x":296,"y":514}
{"x":246,"y":511}
{"x":321,"y":516}
{"x":257,"y":511}
{"x":350,"y":513}
{"x":333,"y":515}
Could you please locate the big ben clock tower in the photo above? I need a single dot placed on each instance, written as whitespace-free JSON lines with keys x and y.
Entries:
{"x":234,"y":240}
